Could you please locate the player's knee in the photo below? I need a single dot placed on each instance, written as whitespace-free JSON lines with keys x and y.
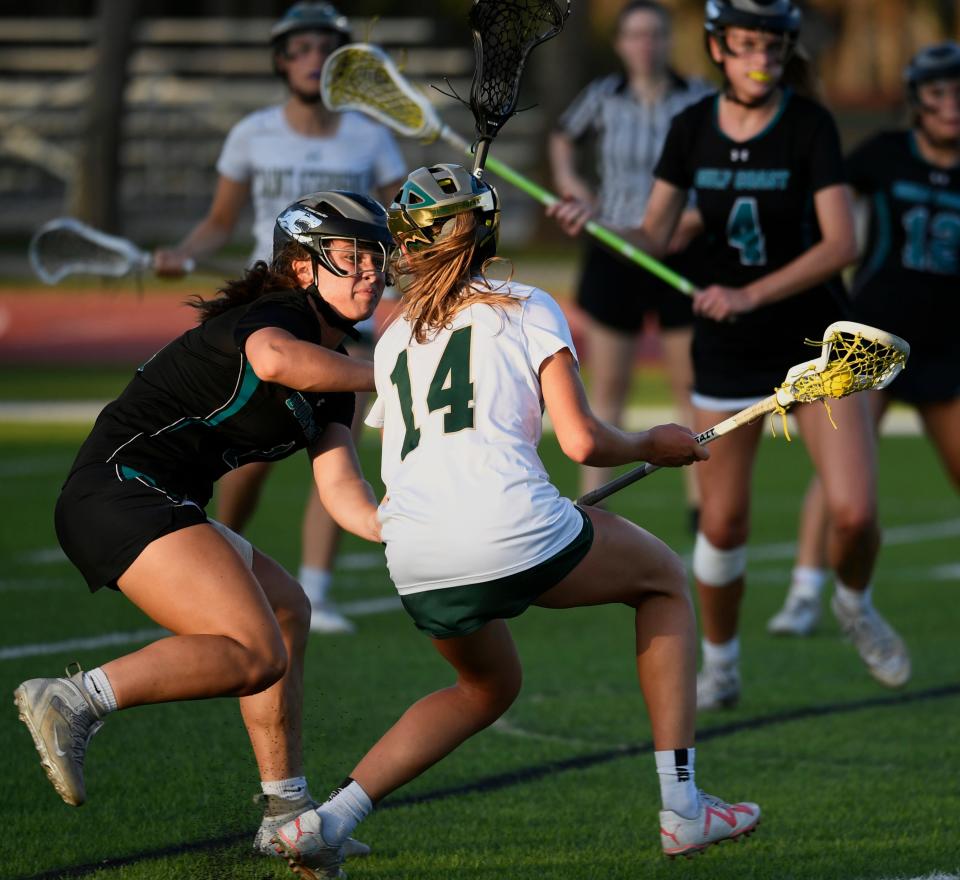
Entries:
{"x":266,"y":665}
{"x":495,"y":694}
{"x":718,"y":566}
{"x":293,"y":611}
{"x":854,"y":519}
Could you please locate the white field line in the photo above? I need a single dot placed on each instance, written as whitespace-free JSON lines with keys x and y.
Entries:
{"x":935,"y":876}
{"x":892,"y":537}
{"x":897,"y":535}
{"x":116,"y":638}
{"x":899,"y":421}
{"x":353,"y":609}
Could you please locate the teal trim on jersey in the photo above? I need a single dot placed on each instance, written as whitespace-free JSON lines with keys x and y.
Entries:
{"x":914,"y":147}
{"x":881,"y":248}
{"x":250,"y":382}
{"x":247,"y":386}
{"x":915,"y":152}
{"x":129,"y":473}
{"x":921,"y":194}
{"x":784,"y":100}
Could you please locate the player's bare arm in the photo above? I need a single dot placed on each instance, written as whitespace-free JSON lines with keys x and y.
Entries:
{"x":587,"y":440}
{"x":278,"y":356}
{"x":836,"y":250}
{"x":211,"y":233}
{"x":344,"y":493}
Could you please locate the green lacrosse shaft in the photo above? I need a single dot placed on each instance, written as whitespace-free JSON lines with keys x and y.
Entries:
{"x":610,"y":239}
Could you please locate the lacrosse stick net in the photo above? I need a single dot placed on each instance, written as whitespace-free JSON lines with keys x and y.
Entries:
{"x":504,"y":34}
{"x":853,"y":357}
{"x":362,"y":77}
{"x":66,"y":246}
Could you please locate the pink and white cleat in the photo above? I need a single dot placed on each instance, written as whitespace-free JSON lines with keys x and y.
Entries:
{"x":717,"y":821}
{"x":301,"y":842}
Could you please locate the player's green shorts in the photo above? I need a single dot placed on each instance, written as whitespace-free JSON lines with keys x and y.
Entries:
{"x":459,"y":611}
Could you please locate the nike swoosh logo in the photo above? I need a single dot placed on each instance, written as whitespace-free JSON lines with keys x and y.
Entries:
{"x":56,"y":745}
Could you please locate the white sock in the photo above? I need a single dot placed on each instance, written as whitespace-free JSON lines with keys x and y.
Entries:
{"x":807,"y":582}
{"x":852,"y":600}
{"x":315,"y":583}
{"x":98,"y":686}
{"x":292,"y":789}
{"x":677,"y":789}
{"x":724,"y":654}
{"x":347,"y":807}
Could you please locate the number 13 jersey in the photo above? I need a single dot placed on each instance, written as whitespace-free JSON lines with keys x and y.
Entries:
{"x":468,"y":498}
{"x":756,"y":200}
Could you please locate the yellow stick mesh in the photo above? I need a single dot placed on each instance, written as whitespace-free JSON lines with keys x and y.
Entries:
{"x":855,"y":363}
{"x":359,"y":79}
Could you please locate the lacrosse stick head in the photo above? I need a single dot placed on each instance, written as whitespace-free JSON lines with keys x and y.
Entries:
{"x":853,"y":357}
{"x":504,"y":34}
{"x":362,"y":77}
{"x":67,"y":246}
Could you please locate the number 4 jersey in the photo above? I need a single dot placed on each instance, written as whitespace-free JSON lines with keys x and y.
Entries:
{"x":468,"y":499}
{"x":756,"y":198}
{"x":909,"y":280}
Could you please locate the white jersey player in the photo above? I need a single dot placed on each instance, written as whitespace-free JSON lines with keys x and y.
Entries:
{"x":476,"y":533}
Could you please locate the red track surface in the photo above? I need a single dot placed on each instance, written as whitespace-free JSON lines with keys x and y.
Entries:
{"x":124,"y":328}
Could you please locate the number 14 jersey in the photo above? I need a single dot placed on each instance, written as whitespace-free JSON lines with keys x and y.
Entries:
{"x":468,"y":498}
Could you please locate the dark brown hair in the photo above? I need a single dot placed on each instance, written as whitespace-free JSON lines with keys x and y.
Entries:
{"x":261,"y":278}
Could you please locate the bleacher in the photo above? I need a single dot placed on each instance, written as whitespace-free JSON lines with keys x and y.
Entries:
{"x":190,"y":80}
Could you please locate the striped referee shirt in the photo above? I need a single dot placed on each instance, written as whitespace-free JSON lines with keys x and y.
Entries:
{"x":630,"y":137}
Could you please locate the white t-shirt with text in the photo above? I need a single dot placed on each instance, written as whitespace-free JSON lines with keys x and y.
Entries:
{"x":282,"y":165}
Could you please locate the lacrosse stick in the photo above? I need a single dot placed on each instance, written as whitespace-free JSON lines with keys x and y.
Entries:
{"x":362,"y":77}
{"x":853,"y":357}
{"x":505,"y":32}
{"x":66,"y":246}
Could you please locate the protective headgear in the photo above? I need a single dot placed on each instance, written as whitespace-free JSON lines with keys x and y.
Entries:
{"x":773,"y":16}
{"x":310,"y":16}
{"x":776,"y":16}
{"x":317,"y":220}
{"x":941,"y":61}
{"x":435,"y":195}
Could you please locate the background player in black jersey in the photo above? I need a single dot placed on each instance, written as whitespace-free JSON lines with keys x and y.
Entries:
{"x":766,"y":166}
{"x":908,"y":282}
{"x":255,"y":381}
{"x":629,"y":114}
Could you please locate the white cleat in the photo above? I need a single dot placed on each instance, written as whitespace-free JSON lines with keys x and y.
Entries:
{"x":884,"y":652}
{"x":278,"y":811}
{"x":308,"y":854}
{"x":798,"y":617}
{"x":327,"y":619}
{"x":715,"y":822}
{"x":61,"y":718}
{"x":718,"y":686}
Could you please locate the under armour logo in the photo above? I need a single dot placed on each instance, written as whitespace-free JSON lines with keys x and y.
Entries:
{"x":939,"y":178}
{"x":741,"y":155}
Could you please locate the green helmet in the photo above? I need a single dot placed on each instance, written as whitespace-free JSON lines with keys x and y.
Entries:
{"x":310,"y":16}
{"x":430,"y":198}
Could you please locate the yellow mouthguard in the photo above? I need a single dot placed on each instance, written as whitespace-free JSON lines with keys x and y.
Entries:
{"x":760,"y":76}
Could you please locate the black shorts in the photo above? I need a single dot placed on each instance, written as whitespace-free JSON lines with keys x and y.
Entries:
{"x":750,"y":357}
{"x":107,"y":514}
{"x":618,"y":293}
{"x":929,"y":377}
